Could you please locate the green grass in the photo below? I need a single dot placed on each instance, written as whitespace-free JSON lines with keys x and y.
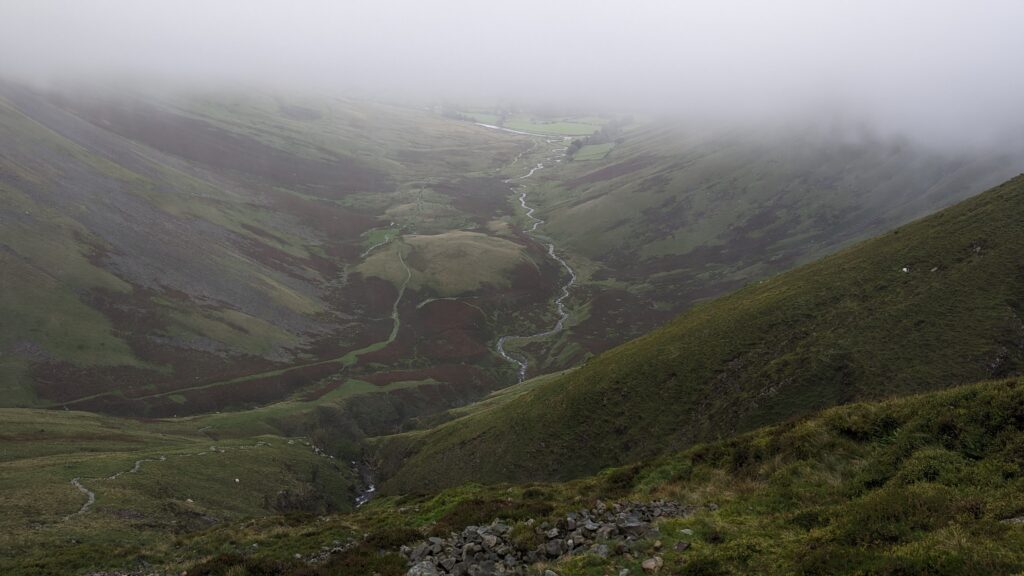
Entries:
{"x":448,"y":264}
{"x":568,"y":126}
{"x":186,"y":486}
{"x":851,"y":326}
{"x":379,"y":236}
{"x":553,"y":127}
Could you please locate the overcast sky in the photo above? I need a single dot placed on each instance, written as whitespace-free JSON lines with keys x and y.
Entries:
{"x":940,"y":68}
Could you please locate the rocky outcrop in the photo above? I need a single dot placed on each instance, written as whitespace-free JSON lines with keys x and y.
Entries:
{"x":500,"y":549}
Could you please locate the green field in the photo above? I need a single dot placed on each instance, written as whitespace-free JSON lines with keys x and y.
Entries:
{"x":567,"y":126}
{"x":553,"y":127}
{"x":378,"y":237}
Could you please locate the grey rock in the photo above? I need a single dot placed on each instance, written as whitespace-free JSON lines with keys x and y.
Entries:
{"x":423,"y":569}
{"x":652,"y":565}
{"x":554,"y":548}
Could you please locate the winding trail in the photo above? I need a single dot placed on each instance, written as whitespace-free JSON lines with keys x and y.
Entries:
{"x":522,"y":364}
{"x":401,"y":292}
{"x":90,"y":496}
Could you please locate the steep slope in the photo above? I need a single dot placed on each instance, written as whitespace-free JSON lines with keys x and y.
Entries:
{"x":175,"y":254}
{"x":933,"y":304}
{"x":670,"y":216}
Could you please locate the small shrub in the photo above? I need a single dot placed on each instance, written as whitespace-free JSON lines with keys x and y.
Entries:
{"x":236,"y":565}
{"x":894,"y":515}
{"x":393,"y":537}
{"x":932,"y":465}
{"x":620,"y":481}
{"x":703,"y":566}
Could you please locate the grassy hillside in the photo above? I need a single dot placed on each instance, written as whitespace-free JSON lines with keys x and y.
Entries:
{"x":77,"y":488}
{"x":179,"y":254}
{"x":657,"y":218}
{"x":928,"y":484}
{"x":930,"y":305}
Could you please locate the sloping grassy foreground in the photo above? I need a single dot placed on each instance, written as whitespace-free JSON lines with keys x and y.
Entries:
{"x":929,"y":484}
{"x":149,"y":481}
{"x":933,"y":304}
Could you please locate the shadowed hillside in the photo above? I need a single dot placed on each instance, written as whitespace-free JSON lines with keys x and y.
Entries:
{"x":933,"y":304}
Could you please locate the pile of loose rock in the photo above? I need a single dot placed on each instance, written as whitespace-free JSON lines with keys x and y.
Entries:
{"x":490,"y":550}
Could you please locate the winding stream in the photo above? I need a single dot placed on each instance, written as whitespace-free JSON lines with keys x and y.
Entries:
{"x":522,"y":364}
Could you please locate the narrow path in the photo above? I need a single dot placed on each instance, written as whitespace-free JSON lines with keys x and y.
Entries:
{"x":401,"y":292}
{"x":90,"y":496}
{"x":522,"y":364}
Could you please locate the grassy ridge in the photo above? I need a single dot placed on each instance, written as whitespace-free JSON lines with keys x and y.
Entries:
{"x":933,"y":304}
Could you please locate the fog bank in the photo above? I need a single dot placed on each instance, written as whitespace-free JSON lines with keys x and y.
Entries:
{"x":940,"y":70}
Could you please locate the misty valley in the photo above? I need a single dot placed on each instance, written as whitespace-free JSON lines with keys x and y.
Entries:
{"x":370,"y":290}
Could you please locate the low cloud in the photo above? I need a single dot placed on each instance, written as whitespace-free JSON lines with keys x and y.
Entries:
{"x":939,"y":70}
